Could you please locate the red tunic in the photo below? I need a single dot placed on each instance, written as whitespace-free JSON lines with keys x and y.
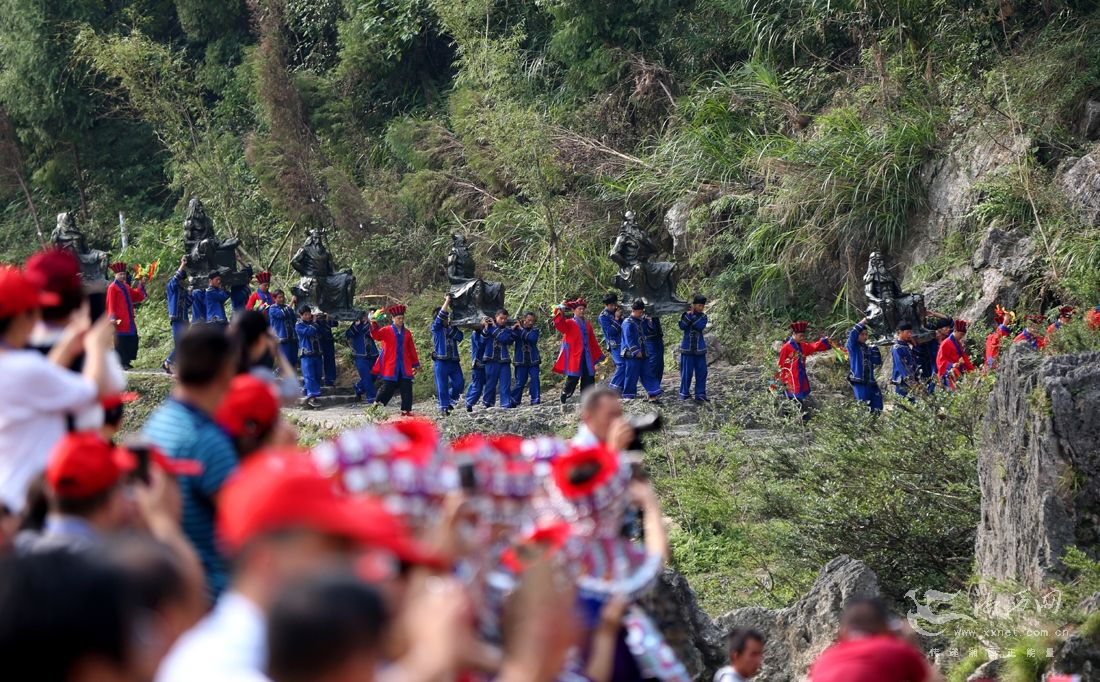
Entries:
{"x":121,"y":299}
{"x":881,"y":658}
{"x":792,"y":365}
{"x":993,"y":345}
{"x":1037,"y":342}
{"x":572,"y":345}
{"x":1093,"y":318}
{"x":952,"y":361}
{"x":386,"y":364}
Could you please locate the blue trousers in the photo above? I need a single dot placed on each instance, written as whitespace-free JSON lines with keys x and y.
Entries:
{"x":477,"y":386}
{"x":311,"y":375}
{"x":448,"y":382}
{"x":523,"y":375}
{"x":640,"y":368}
{"x":656,"y":355}
{"x":693,"y":366}
{"x":618,"y":379}
{"x":498,"y":379}
{"x":328,"y":354}
{"x":870,"y":394}
{"x":178,"y":328}
{"x":290,"y":351}
{"x":365,"y":386}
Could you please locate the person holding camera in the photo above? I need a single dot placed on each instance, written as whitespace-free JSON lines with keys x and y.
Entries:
{"x":602,"y":420}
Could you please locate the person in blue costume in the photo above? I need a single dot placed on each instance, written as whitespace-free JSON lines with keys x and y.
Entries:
{"x":862,"y":360}
{"x":498,"y":361}
{"x":447,"y":364}
{"x":198,"y":305}
{"x":477,"y":372}
{"x":654,"y":345}
{"x":179,"y":310}
{"x":309,"y":344}
{"x":527,"y":360}
{"x":325,"y":325}
{"x":239,"y":295}
{"x":215,"y":301}
{"x":365,"y":352}
{"x":281,"y":319}
{"x":907,"y":372}
{"x":693,"y":350}
{"x":610,"y":319}
{"x":638,"y":367}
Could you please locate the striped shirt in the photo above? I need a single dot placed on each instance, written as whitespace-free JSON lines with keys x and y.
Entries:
{"x":183,"y":431}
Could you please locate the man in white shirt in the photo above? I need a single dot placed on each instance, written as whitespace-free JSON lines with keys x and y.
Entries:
{"x":37,"y":393}
{"x":281,"y":521}
{"x":746,"y":650}
{"x":602,"y":420}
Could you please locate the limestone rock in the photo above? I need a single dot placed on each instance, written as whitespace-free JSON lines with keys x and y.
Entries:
{"x":797,"y":634}
{"x":1081,"y":183}
{"x":1078,"y":655}
{"x":1039,"y":470}
{"x":676,"y":221}
{"x":686,"y":628}
{"x":1088,"y":125}
{"x":990,"y":670}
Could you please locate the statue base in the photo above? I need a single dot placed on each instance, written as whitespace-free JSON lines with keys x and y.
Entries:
{"x":475,"y":300}
{"x":333,"y":295}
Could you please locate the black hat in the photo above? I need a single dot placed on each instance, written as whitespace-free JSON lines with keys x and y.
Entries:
{"x":305,"y":309}
{"x":611,"y":297}
{"x":638,"y":304}
{"x":699,"y":300}
{"x":905,"y":327}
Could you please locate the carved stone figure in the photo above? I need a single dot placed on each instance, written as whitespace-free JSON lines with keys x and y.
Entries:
{"x":471,"y":298}
{"x":639,"y":277}
{"x":206,"y":253}
{"x":887,"y":305}
{"x":321,"y":285}
{"x":67,"y":235}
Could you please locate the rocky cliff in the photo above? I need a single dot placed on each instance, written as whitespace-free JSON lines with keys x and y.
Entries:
{"x":1039,"y":470}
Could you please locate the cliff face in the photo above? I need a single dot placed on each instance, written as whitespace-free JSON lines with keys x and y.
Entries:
{"x":1039,"y":470}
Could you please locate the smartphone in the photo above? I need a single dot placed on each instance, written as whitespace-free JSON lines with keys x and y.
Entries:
{"x":141,"y":450}
{"x":467,"y":477}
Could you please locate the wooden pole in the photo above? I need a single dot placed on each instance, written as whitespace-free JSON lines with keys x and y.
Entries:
{"x":531,"y":284}
{"x":279,"y":250}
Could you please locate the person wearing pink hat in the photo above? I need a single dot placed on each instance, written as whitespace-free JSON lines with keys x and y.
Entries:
{"x":37,"y":393}
{"x":121,"y":299}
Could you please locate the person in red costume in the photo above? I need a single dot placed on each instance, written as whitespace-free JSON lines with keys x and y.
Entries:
{"x":993,"y":341}
{"x":952,"y":361}
{"x":398,"y":363}
{"x":792,"y":360}
{"x":261,"y":299}
{"x":1030,"y":334}
{"x":1093,"y":318}
{"x":1065,"y":316}
{"x":580,"y":351}
{"x":121,"y":299}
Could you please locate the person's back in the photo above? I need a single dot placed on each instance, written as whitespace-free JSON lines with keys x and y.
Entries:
{"x":183,"y":428}
{"x":881,"y":658}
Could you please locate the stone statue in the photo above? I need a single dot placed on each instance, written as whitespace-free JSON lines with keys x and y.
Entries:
{"x":67,"y":235}
{"x":639,"y":277}
{"x":887,"y":305}
{"x":322,"y":285}
{"x":205,"y":253}
{"x":471,"y":298}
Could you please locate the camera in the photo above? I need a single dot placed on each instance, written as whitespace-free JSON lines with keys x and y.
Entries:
{"x":643,"y":424}
{"x":142,"y":451}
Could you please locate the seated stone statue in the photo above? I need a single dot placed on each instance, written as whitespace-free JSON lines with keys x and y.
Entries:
{"x":67,"y":235}
{"x":471,"y":298}
{"x":887,"y":305}
{"x":639,"y":277}
{"x":321,"y":285}
{"x":205,"y":253}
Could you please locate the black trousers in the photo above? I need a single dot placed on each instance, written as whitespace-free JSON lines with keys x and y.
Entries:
{"x":570,"y":386}
{"x":127,"y":349}
{"x":390,"y":387}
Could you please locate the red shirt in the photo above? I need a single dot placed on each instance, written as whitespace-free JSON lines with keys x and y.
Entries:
{"x":882,"y":658}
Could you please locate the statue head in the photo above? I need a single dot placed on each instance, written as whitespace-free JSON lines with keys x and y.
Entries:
{"x":458,"y":241}
{"x":195,"y":209}
{"x":876,"y":261}
{"x":628,"y":219}
{"x":66,"y":222}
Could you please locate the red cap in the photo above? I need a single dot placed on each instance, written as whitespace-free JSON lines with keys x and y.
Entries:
{"x":55,"y":270}
{"x":117,"y":267}
{"x":283,"y":489}
{"x":800,"y":327}
{"x":960,"y":326}
{"x":83,"y":464}
{"x":263,"y":277}
{"x":1066,"y":311}
{"x":18,"y":294}
{"x":112,"y":401}
{"x":250,"y":407}
{"x":396,"y":310}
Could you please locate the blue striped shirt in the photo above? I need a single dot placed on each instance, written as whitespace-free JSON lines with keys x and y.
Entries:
{"x":182,"y":431}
